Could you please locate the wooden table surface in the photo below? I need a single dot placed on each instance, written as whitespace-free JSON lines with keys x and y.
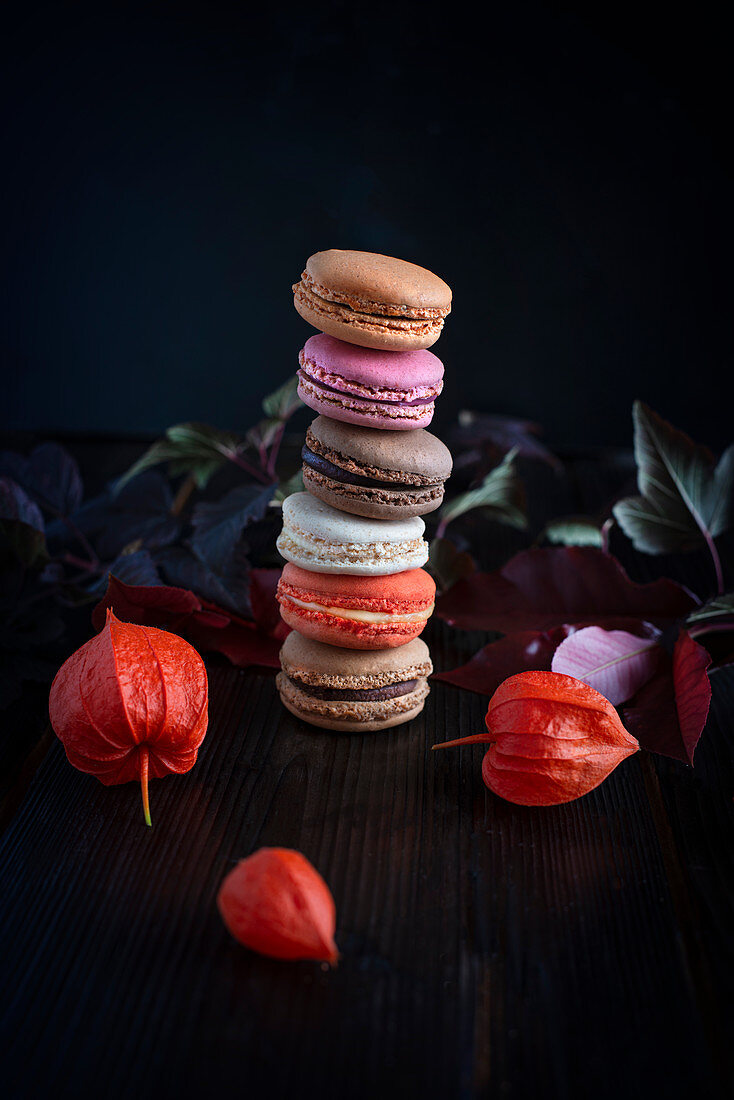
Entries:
{"x":488,"y":950}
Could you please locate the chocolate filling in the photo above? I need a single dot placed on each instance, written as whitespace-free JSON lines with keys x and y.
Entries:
{"x":357,"y":695}
{"x":376,"y":400}
{"x":322,"y":466}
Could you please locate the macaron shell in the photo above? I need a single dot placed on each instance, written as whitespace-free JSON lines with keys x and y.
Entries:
{"x":385,"y":371}
{"x":371,"y":276}
{"x":373,"y":503}
{"x":420,"y":455}
{"x":336,"y":631}
{"x":325,"y":665}
{"x":363,"y":717}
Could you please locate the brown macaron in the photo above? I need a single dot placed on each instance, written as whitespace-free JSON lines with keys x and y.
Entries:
{"x":372,"y":300}
{"x":381,"y":475}
{"x":350,"y":690}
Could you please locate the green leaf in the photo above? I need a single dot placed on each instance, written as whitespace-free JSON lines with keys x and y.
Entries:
{"x":502,"y":492}
{"x":189,"y":448}
{"x":573,"y":531}
{"x":447,"y":564}
{"x":281,"y":404}
{"x":684,"y":498}
{"x":292,"y":485}
{"x":716,"y":609}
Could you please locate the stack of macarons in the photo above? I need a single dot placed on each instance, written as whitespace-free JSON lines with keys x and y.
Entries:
{"x":354,"y":589}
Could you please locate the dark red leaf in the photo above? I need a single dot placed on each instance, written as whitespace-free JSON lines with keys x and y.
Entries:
{"x":669,"y":713}
{"x":265,"y":607}
{"x":544,"y":588}
{"x":523,"y":651}
{"x":241,"y":642}
{"x":148,"y":605}
{"x":206,"y":626}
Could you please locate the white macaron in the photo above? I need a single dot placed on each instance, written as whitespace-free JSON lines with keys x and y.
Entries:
{"x":320,"y":538}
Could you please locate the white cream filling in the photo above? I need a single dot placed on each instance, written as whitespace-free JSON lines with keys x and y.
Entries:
{"x":320,"y":550}
{"x":364,"y":616}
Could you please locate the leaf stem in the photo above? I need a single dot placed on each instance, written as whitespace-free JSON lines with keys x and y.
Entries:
{"x":182,"y":496}
{"x":605,"y":529}
{"x":713,"y":628}
{"x":716,"y":560}
{"x":238,"y":460}
{"x":82,"y":538}
{"x":275,"y":449}
{"x":82,"y":563}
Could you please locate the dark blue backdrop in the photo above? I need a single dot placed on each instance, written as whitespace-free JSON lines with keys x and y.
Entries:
{"x":169,"y":169}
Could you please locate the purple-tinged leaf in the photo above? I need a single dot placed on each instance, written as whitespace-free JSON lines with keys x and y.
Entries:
{"x":140,"y":513}
{"x":525,"y":651}
{"x":505,"y":433}
{"x":184,"y":569}
{"x":219,"y":524}
{"x":613,"y":662}
{"x":16,"y":504}
{"x":543,"y":588}
{"x":684,"y":499}
{"x":136,"y":568}
{"x":669,"y":713}
{"x":49,"y":475}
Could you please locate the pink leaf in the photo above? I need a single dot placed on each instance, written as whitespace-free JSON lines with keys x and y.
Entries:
{"x":613,"y":662}
{"x":669,"y":713}
{"x":544,"y":588}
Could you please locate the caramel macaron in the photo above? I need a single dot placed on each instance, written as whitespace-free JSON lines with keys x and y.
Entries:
{"x":372,"y":300}
{"x":353,"y":691}
{"x":380,"y":475}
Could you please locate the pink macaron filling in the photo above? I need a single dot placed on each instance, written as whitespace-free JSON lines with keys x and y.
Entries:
{"x":417,"y":395}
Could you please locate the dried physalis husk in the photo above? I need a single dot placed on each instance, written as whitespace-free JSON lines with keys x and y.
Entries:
{"x":131,"y":704}
{"x":552,"y":739}
{"x":277,"y":903}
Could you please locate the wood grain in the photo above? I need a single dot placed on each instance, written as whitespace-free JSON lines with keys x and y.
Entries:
{"x":487,"y":950}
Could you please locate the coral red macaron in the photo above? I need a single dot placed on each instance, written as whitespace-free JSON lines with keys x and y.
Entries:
{"x":356,"y":612}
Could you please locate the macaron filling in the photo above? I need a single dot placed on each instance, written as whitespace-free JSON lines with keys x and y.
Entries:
{"x":345,"y":387}
{"x":357,"y":614}
{"x":364,"y":711}
{"x":321,"y":465}
{"x":356,"y":695}
{"x":297,"y":546}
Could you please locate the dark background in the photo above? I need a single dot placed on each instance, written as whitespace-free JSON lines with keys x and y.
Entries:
{"x":168,"y":169}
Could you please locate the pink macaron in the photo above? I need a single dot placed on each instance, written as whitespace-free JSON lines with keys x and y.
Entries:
{"x":378,"y":389}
